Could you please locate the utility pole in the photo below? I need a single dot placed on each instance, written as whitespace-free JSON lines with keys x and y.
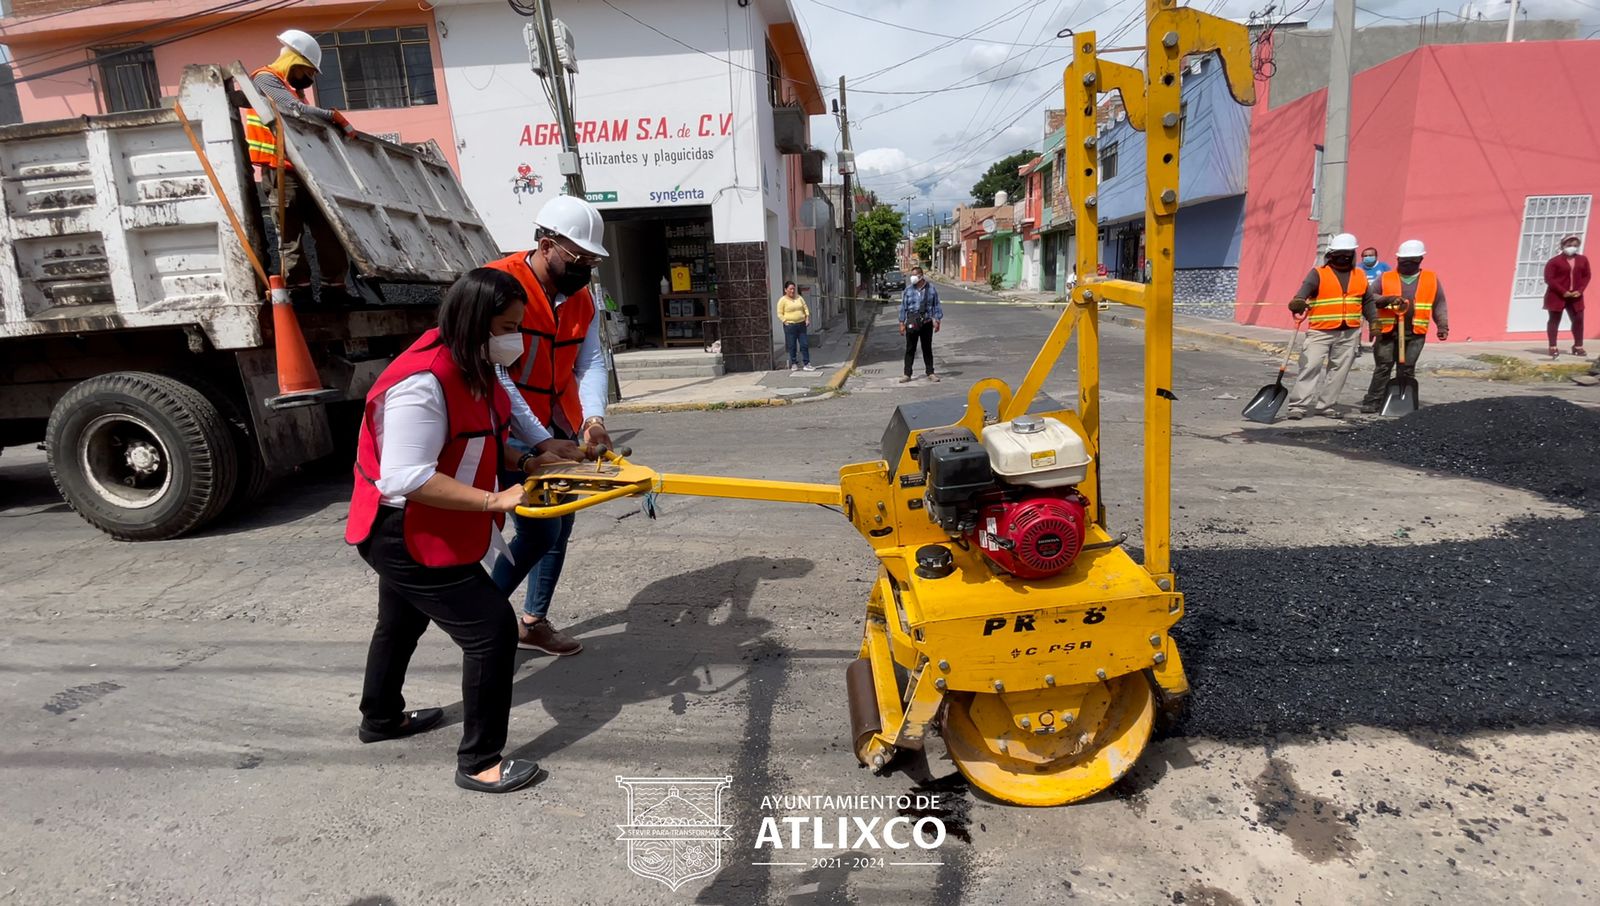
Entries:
{"x":1336,"y":128}
{"x":571,"y":165}
{"x":847,"y":166}
{"x":1511,"y":23}
{"x":568,"y":161}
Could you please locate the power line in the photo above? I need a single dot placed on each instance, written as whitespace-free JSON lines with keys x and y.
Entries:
{"x":920,"y":31}
{"x":940,"y":46}
{"x":60,"y":12}
{"x":793,"y":81}
{"x":104,"y":40}
{"x":150,"y":45}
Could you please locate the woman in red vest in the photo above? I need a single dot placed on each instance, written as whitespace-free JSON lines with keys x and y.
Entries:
{"x":426,"y":504}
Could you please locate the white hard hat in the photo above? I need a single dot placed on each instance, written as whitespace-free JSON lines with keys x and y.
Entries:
{"x":575,"y":219}
{"x":1342,"y":242}
{"x":304,"y":45}
{"x":1411,"y":248}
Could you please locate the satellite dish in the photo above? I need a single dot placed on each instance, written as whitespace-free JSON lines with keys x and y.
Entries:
{"x":988,"y":224}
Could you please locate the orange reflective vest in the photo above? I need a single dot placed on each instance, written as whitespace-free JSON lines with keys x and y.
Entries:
{"x":1334,"y":308}
{"x":551,"y":337}
{"x":263,"y":143}
{"x":1421,"y":304}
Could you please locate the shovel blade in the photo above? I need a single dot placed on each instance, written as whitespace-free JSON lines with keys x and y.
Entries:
{"x":1264,"y":406}
{"x":1399,"y":397}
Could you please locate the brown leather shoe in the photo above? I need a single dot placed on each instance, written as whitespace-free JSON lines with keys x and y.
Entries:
{"x":541,"y":636}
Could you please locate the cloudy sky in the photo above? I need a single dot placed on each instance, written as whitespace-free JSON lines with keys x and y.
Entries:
{"x":934,"y":147}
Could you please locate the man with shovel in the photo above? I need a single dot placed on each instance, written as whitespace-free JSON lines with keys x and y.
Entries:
{"x":1409,"y":299}
{"x":1332,"y":298}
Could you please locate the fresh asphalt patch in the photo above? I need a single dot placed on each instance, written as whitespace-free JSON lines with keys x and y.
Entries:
{"x":1427,"y":639}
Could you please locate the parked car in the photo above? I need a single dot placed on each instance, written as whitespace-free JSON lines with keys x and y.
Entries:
{"x":891,"y":282}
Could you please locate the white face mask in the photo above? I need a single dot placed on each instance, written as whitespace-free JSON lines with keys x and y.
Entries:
{"x":505,"y":349}
{"x":1570,"y":250}
{"x":915,"y":279}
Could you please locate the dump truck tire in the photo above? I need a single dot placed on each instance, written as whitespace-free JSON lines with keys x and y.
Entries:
{"x":140,"y":456}
{"x":253,"y":475}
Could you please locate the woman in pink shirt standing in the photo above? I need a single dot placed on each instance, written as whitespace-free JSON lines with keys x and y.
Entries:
{"x":1565,"y":277}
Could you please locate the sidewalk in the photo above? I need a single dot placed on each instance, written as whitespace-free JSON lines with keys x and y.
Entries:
{"x":1498,"y":360}
{"x":833,"y":352}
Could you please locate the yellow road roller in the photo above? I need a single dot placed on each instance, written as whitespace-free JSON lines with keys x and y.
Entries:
{"x":1005,"y":616}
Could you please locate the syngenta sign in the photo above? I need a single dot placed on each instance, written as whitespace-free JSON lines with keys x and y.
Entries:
{"x":677,"y":194}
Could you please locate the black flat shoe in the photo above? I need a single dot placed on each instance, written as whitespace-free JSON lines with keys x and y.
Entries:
{"x":515,"y":773}
{"x":416,"y":722}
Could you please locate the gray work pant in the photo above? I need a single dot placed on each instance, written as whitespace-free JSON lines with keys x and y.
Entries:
{"x":1325,"y":361}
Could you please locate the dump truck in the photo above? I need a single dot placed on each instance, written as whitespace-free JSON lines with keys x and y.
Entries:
{"x":137,"y":343}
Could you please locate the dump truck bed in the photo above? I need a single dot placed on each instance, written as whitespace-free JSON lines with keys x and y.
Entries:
{"x":111,"y":222}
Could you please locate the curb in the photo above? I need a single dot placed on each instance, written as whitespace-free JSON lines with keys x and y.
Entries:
{"x":831,"y":389}
{"x":1277,"y":348}
{"x":1265,"y":346}
{"x":844,"y":371}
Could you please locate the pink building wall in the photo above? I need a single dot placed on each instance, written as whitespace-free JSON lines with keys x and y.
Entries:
{"x":1446,"y":144}
{"x":251,"y":42}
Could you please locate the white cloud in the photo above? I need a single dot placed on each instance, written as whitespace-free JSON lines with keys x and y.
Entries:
{"x":938,"y":145}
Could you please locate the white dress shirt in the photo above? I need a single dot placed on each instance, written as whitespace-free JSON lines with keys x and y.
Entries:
{"x":411,"y":427}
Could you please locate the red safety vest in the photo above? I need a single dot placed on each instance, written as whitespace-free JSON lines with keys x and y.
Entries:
{"x":262,"y":141}
{"x":550,"y":341}
{"x":1421,"y":304}
{"x":471,"y":455}
{"x":1334,"y":307}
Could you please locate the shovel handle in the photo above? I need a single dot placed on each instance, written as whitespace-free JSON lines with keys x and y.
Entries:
{"x":1288,"y":352}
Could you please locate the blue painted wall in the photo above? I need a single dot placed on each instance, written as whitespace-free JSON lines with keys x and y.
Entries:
{"x":1210,"y":233}
{"x":1216,"y":146}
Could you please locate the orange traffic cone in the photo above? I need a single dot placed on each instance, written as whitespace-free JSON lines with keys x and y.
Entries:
{"x":298,"y":383}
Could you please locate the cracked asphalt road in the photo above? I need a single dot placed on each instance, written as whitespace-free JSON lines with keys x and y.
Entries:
{"x":181,"y":714}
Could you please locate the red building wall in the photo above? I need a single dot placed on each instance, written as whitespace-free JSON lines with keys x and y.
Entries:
{"x":1446,"y":144}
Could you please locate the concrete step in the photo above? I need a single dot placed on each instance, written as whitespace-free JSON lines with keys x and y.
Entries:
{"x":668,"y":373}
{"x":658,"y":364}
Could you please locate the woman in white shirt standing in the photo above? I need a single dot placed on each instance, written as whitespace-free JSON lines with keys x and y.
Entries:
{"x":426,"y":503}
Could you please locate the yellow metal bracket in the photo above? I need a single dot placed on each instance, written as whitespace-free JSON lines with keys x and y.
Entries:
{"x":563,"y":488}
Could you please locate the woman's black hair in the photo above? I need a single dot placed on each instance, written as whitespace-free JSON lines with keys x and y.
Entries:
{"x":789,"y":283}
{"x":469,"y":305}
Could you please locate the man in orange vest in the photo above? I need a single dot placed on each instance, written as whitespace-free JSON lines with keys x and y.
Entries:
{"x":1409,"y":299}
{"x":1332,"y":300}
{"x":284,"y":83}
{"x":561,"y":377}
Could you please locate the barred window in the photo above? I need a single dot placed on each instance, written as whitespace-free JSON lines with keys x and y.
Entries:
{"x":376,"y":68}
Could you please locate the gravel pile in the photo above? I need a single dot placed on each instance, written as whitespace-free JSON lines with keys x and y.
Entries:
{"x":1545,"y":445}
{"x":1432,"y":638}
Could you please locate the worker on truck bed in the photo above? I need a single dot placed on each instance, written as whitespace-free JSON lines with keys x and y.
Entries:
{"x":284,"y":83}
{"x":562,"y":378}
{"x":1409,"y":299}
{"x":1332,"y":299}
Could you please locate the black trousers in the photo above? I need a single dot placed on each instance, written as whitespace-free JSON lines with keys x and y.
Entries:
{"x":923,"y":335}
{"x":1386,"y":357}
{"x":467,"y":605}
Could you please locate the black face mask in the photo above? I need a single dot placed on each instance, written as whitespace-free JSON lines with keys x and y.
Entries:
{"x":300,"y":81}
{"x":571,"y":278}
{"x":1407,"y":268}
{"x":1342,"y":261}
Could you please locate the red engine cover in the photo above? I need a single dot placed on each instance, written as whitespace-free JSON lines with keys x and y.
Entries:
{"x":1031,"y":538}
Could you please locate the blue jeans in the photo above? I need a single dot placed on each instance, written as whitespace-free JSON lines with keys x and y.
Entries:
{"x":538,"y":552}
{"x":795,"y":335}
